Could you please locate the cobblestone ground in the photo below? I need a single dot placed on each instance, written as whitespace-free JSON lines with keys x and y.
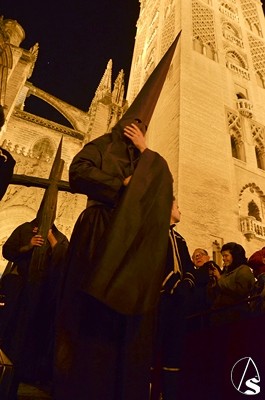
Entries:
{"x":27,"y":392}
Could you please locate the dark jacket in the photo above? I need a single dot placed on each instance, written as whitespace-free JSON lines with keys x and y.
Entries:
{"x":7,"y":164}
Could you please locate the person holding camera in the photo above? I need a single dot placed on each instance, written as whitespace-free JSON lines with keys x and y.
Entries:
{"x":229,"y":290}
{"x":203,"y":264}
{"x":200,"y":303}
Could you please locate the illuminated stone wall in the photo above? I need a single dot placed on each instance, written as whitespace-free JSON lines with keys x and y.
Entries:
{"x":209,"y":122}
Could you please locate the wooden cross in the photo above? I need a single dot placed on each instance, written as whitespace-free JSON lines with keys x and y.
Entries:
{"x":47,"y":215}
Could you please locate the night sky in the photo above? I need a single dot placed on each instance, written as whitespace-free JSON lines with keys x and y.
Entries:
{"x":76,"y":40}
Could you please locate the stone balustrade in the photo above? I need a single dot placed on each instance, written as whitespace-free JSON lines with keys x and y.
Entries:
{"x":245,"y":107}
{"x":238,"y":70}
{"x":251,"y":228}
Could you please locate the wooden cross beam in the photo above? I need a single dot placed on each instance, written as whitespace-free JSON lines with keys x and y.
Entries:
{"x":46,"y":216}
{"x":25,"y":180}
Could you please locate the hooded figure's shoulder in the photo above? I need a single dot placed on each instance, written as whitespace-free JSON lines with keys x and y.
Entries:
{"x":98,"y":145}
{"x":101,"y":142}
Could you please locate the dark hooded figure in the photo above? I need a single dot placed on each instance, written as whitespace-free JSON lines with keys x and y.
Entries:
{"x":116,"y":259}
{"x":7,"y":162}
{"x":26,"y":329}
{"x":230,"y":289}
{"x":257,"y":264}
{"x":115,"y":265}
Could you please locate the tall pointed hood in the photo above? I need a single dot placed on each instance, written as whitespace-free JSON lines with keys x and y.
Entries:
{"x":144,"y":104}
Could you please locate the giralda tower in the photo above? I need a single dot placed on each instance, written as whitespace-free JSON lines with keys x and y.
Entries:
{"x":209,"y":122}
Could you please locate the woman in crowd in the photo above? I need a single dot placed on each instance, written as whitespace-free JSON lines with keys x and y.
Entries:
{"x":229,"y":289}
{"x":257,"y":263}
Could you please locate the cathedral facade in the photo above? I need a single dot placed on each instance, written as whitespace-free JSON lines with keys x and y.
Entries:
{"x":209,"y":122}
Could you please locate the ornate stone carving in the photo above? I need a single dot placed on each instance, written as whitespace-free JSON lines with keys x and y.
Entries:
{"x":257,"y":131}
{"x":232,"y":33}
{"x":257,"y":49}
{"x":168,"y":32}
{"x":234,"y":124}
{"x":203,"y":28}
{"x":237,"y":63}
{"x":229,"y":10}
{"x":249,"y":9}
{"x":252,"y":228}
{"x":245,"y":107}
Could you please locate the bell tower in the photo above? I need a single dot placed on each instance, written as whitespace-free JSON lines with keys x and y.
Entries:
{"x":209,"y":122}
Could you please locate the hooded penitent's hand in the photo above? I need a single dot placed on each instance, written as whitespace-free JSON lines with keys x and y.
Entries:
{"x":52,"y":239}
{"x":35,"y":241}
{"x":134,"y":133}
{"x":127,"y":180}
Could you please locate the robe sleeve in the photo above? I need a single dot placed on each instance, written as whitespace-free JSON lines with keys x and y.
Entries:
{"x":7,"y":164}
{"x":87,"y":177}
{"x":18,"y":238}
{"x":127,"y":275}
{"x":59,"y":251}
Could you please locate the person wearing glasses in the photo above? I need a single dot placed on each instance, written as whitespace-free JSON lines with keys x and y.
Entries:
{"x":203,"y":264}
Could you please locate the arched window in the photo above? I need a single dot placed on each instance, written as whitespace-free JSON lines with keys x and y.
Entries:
{"x":210,"y":53}
{"x":43,"y":149}
{"x":256,"y":29}
{"x":260,"y":158}
{"x":260,"y":80}
{"x":253,"y":210}
{"x":198,"y":45}
{"x":240,"y":95}
{"x":234,"y":147}
{"x":236,"y":58}
{"x":237,"y":148}
{"x":248,"y":24}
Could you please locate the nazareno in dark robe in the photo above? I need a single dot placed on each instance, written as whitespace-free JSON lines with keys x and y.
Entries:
{"x":115,"y":266}
{"x":7,"y":164}
{"x":26,"y":329}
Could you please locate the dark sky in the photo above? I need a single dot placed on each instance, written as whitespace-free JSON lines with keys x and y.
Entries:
{"x":76,"y":40}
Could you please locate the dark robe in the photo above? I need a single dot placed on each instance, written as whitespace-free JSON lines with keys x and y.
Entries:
{"x":115,"y":265}
{"x":26,"y":329}
{"x":176,"y":291}
{"x":7,"y":164}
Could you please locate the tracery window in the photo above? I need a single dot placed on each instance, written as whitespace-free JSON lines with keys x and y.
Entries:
{"x":260,"y":79}
{"x":260,"y":157}
{"x":257,"y":49}
{"x":253,"y":210}
{"x":229,"y":10}
{"x":235,"y":147}
{"x":250,"y":13}
{"x":203,"y":30}
{"x":43,"y":148}
{"x":233,"y":34}
{"x":259,"y":142}
{"x":236,"y":141}
{"x":237,"y":63}
{"x":198,"y":45}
